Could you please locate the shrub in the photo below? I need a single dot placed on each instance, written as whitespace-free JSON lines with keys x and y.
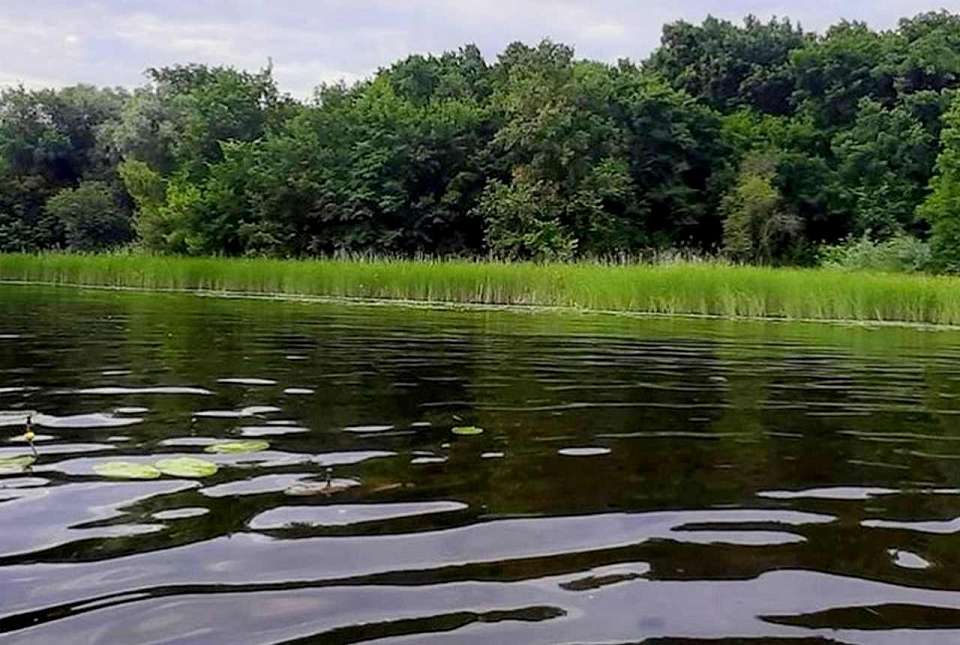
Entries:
{"x":902,"y":254}
{"x":91,"y":216}
{"x":524,"y":222}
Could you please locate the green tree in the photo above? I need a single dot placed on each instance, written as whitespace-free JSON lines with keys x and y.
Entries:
{"x":884,"y":160}
{"x":729,"y":66}
{"x":930,"y":46}
{"x":942,"y":208}
{"x":848,"y":63}
{"x":91,"y":217}
{"x":758,"y":228}
{"x":50,"y":140}
{"x":524,"y":222}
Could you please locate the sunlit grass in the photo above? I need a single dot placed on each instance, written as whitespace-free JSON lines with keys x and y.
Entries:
{"x":701,"y":288}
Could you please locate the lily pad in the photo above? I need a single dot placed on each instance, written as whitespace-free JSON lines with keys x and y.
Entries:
{"x":467,"y":431}
{"x":187,"y":467}
{"x":16,"y":464}
{"x":126,"y":470}
{"x":237,"y":447}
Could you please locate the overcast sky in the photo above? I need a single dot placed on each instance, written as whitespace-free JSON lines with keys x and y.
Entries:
{"x":111,"y":42}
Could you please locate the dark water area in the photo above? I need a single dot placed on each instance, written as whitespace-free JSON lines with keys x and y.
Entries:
{"x":637,"y":480}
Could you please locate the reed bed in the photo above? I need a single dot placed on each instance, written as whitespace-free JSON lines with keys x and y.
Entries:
{"x":679,"y":288}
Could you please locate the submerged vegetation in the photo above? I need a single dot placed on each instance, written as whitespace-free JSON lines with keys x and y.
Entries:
{"x":760,"y":141}
{"x":697,"y":288}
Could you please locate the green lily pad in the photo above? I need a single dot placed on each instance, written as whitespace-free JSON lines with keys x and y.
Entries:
{"x":16,"y":464}
{"x":187,"y":467}
{"x":237,"y":447}
{"x":126,"y":470}
{"x":467,"y":431}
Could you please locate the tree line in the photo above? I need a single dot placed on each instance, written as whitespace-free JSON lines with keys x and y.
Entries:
{"x":760,"y":141}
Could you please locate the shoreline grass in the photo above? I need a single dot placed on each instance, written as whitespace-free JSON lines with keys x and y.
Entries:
{"x":683,"y":288}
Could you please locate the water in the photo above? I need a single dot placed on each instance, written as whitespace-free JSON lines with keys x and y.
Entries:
{"x":636,"y":478}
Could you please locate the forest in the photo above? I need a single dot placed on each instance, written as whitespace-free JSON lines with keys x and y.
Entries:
{"x":759,"y":143}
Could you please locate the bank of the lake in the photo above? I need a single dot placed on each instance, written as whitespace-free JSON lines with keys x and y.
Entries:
{"x":677,"y":288}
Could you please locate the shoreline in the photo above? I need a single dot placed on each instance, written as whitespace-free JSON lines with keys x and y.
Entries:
{"x":693,"y":290}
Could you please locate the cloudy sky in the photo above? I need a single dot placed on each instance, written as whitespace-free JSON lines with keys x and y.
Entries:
{"x":111,"y":42}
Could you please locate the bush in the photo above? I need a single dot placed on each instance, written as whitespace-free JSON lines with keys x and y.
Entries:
{"x":900,"y":254}
{"x":524,"y":222}
{"x":92,"y":218}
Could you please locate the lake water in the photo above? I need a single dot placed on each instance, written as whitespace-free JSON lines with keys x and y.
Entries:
{"x":636,"y":478}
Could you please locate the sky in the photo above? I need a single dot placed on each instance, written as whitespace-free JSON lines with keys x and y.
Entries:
{"x":111,"y":42}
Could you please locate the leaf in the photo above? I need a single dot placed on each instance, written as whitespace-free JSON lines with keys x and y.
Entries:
{"x":16,"y":464}
{"x":237,"y":447}
{"x":126,"y":470}
{"x":467,"y":431}
{"x":187,"y":467}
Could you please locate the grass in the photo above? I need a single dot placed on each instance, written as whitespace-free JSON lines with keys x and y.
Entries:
{"x":698,"y":288}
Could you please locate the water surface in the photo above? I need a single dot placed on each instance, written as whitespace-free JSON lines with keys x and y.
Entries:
{"x":637,"y":479}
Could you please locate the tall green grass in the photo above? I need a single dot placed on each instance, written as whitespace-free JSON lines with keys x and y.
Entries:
{"x":700,"y":288}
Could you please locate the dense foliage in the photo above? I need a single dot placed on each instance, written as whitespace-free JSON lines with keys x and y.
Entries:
{"x":761,"y":141}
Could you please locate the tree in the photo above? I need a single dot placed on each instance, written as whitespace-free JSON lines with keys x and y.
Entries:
{"x":729,"y":66}
{"x":930,"y":43}
{"x":758,"y":228}
{"x":758,"y":137}
{"x":91,"y":216}
{"x":50,"y":140}
{"x":848,"y":63}
{"x":942,"y":208}
{"x":884,"y":160}
{"x":523,"y":222}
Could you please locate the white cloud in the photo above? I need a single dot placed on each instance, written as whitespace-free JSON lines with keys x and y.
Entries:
{"x":110,"y":42}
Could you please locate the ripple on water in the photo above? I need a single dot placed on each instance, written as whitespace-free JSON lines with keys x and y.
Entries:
{"x":605,"y":576}
{"x":125,"y":391}
{"x":250,"y":411}
{"x":350,"y":457}
{"x":368,"y":429}
{"x":295,"y":391}
{"x":76,"y":505}
{"x":428,"y":460}
{"x":271,"y":431}
{"x":347,"y":514}
{"x":933,"y":526}
{"x":23,"y":482}
{"x":37,"y":438}
{"x":59,"y":449}
{"x":180,"y":513}
{"x":908,"y":560}
{"x":131,"y":410}
{"x":188,"y":441}
{"x":831,"y":492}
{"x":593,"y":451}
{"x":246,"y":381}
{"x":79,"y":421}
{"x":255,"y":485}
{"x":320,"y":487}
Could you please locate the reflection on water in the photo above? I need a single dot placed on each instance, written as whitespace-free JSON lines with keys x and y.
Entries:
{"x":635,"y":478}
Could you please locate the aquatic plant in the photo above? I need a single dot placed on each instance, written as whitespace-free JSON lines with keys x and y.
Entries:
{"x":237,"y":447}
{"x":467,"y":431}
{"x":126,"y":470}
{"x":16,"y":463}
{"x":187,"y":467}
{"x":681,"y":288}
